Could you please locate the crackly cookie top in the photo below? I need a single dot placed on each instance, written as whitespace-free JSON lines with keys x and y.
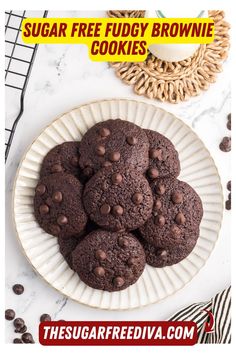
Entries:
{"x":163,"y":157}
{"x":177,"y":210}
{"x":113,"y":142}
{"x":108,"y":260}
{"x":62,"y":158}
{"x":58,"y":205}
{"x":118,"y":198}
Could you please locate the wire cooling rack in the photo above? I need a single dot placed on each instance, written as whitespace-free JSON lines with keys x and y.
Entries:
{"x":19,"y":59}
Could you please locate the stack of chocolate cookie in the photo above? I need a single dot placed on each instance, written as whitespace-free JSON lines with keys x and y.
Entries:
{"x":115,"y":204}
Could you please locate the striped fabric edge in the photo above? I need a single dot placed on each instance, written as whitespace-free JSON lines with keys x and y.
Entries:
{"x":220,"y":307}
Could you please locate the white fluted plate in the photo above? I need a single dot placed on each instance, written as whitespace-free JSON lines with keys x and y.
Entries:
{"x":197,"y":169}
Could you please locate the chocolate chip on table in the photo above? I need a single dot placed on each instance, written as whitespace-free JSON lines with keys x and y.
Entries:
{"x":18,"y":289}
{"x":17,"y":341}
{"x":22,"y":329}
{"x":229,"y":196}
{"x":229,"y":186}
{"x":229,"y":125}
{"x":9,"y":314}
{"x":229,"y":121}
{"x":225,"y":144}
{"x":18,"y":322}
{"x":228,"y":205}
{"x":27,"y":338}
{"x":45,"y":317}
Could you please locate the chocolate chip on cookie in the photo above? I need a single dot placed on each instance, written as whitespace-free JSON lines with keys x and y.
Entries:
{"x":225,"y":144}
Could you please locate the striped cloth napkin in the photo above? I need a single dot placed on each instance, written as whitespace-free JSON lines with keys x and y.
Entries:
{"x":219,"y":323}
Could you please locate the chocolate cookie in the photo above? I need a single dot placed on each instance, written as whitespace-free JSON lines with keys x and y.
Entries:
{"x":118,"y":198}
{"x":58,"y":206}
{"x":109,"y":261}
{"x":163,"y":158}
{"x":66,"y":246}
{"x":177,"y":210}
{"x":162,"y":257}
{"x":62,"y":158}
{"x":113,"y":142}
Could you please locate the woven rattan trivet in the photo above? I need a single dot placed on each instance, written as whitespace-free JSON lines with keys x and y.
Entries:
{"x":176,"y":81}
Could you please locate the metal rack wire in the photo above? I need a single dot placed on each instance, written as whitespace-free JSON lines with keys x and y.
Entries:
{"x":19,"y":59}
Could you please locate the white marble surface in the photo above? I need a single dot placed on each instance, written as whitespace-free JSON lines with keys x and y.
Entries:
{"x":62,"y":78}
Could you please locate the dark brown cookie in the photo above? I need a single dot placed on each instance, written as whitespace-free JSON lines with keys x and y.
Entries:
{"x":163,"y":158}
{"x":118,"y":198}
{"x":58,"y":206}
{"x":162,"y":257}
{"x":225,"y":144}
{"x":62,"y":158}
{"x":113,"y":142}
{"x":67,"y":246}
{"x":109,"y":261}
{"x":177,"y":210}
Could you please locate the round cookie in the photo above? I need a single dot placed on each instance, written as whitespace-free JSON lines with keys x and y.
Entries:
{"x":163,"y":158}
{"x":109,"y":261}
{"x":58,"y":205}
{"x":66,"y":246}
{"x":113,"y":142}
{"x":118,"y":198}
{"x":177,"y":210}
{"x":62,"y":158}
{"x":162,"y":257}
